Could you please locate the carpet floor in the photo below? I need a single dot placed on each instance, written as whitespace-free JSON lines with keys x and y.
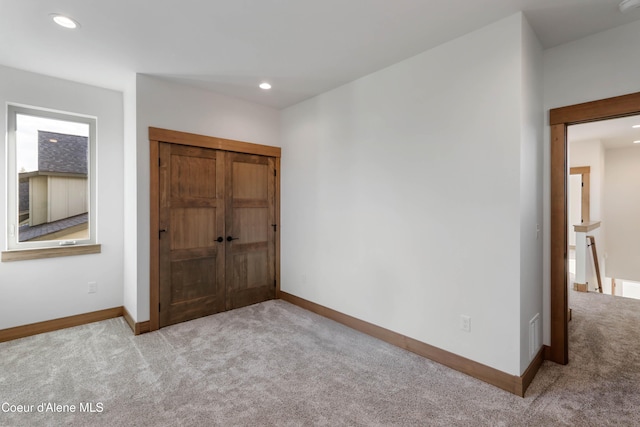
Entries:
{"x":277,"y":364}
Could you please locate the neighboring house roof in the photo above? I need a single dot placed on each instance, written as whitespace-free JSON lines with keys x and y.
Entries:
{"x":68,"y":154}
{"x":27,"y":233}
{"x":23,"y":195}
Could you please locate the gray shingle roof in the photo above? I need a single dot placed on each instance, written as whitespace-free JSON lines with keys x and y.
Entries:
{"x":69,"y":154}
{"x":23,"y":195}
{"x":27,"y":233}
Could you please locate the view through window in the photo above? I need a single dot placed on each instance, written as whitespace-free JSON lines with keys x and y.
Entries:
{"x":53,"y":180}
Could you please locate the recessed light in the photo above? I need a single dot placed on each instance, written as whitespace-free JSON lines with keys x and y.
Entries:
{"x":64,"y":21}
{"x":635,"y":126}
{"x":265,"y":86}
{"x":636,"y":142}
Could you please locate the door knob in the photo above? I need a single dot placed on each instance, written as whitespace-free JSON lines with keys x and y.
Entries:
{"x":229,"y":238}
{"x":220,"y":239}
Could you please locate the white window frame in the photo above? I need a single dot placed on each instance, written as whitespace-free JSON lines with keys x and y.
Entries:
{"x":12,"y":176}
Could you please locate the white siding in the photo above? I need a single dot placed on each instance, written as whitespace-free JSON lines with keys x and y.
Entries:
{"x":67,"y":197}
{"x":38,"y":200}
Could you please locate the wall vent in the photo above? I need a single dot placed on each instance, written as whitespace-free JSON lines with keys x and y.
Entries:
{"x":534,"y":336}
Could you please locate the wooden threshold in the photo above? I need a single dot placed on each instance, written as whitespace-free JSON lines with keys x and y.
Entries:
{"x":511,"y":383}
{"x":57,"y":324}
{"x":137,"y":328}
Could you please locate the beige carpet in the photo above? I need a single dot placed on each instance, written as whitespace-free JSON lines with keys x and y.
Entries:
{"x":276,"y":364}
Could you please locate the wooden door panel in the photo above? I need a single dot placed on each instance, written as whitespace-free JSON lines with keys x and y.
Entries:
{"x":243,"y":298}
{"x":250,"y":180}
{"x":195,"y":279}
{"x":193,"y":228}
{"x":257,"y":270}
{"x":252,"y":225}
{"x":193,"y":174}
{"x":192,"y":264}
{"x":206,"y":194}
{"x":251,"y":270}
{"x":251,"y":281}
{"x":250,"y":215}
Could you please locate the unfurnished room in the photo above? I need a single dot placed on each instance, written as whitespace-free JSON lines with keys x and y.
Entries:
{"x":348,"y":212}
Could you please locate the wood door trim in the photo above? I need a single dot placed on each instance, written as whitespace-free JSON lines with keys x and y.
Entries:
{"x":184,"y":138}
{"x":559,"y":119}
{"x":580,"y":170}
{"x":585,"y":191}
{"x":610,"y":108}
{"x":277,"y":221}
{"x":157,"y":135}
{"x":154,"y":226}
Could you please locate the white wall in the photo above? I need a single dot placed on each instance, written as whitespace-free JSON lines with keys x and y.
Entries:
{"x":401,"y":194}
{"x":130,"y":273}
{"x":39,"y":290}
{"x":163,"y":104}
{"x":530,"y":197}
{"x":590,"y":153}
{"x":595,"y":67}
{"x":622,"y":212}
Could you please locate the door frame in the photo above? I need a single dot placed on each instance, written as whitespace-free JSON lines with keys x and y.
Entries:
{"x":158,"y":135}
{"x":585,"y":191}
{"x":559,"y":120}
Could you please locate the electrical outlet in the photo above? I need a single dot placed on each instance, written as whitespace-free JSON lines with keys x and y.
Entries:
{"x":465,"y":323}
{"x":93,"y":287}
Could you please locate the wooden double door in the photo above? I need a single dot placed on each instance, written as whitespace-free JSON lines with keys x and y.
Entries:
{"x":217,"y":229}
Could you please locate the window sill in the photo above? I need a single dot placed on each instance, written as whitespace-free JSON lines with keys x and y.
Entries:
{"x":26,"y":254}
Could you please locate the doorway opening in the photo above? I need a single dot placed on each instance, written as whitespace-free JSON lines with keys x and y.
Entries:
{"x":560,"y":119}
{"x":605,"y":150}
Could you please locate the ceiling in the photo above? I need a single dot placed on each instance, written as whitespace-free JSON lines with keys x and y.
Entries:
{"x":302,"y":47}
{"x":614,"y":133}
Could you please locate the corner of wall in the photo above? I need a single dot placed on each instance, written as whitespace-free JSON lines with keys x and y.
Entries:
{"x":130,"y":295}
{"x":531,"y":197}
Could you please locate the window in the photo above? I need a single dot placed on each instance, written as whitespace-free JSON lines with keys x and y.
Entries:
{"x":51,"y":195}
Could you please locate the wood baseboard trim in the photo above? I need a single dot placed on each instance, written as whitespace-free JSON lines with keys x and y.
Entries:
{"x":129,"y":319}
{"x":530,"y":373}
{"x":547,"y":352}
{"x":137,"y":328}
{"x":57,"y":324}
{"x":511,"y":383}
{"x":142,"y":328}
